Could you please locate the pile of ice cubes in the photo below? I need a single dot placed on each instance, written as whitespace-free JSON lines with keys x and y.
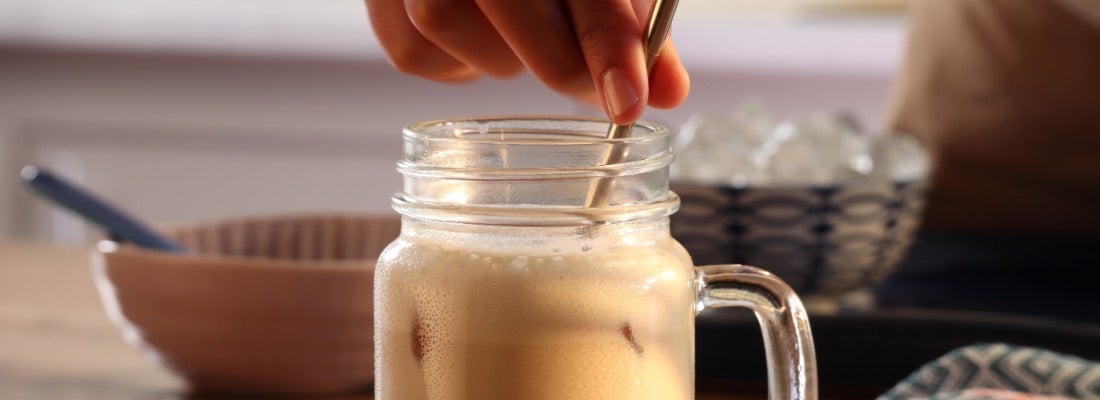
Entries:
{"x":751,"y":147}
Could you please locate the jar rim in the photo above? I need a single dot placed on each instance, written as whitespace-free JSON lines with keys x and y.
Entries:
{"x":533,"y":170}
{"x":421,"y":130}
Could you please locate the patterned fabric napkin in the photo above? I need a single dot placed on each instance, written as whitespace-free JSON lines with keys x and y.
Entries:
{"x":1001,"y":372}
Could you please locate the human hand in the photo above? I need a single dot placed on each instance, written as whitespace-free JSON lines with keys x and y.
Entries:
{"x":591,"y":50}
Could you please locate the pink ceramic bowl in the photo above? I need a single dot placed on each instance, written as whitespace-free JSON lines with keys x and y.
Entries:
{"x":278,"y":305}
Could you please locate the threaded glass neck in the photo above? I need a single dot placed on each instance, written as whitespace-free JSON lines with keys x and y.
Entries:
{"x":533,"y":171}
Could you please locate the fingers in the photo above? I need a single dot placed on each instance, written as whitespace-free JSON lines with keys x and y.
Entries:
{"x":669,"y":82}
{"x":611,"y":41}
{"x":459,"y":28}
{"x":591,"y":50}
{"x":408,"y":50}
{"x":540,"y":34}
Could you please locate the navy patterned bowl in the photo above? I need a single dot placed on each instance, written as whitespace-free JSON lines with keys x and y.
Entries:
{"x":823,"y":240}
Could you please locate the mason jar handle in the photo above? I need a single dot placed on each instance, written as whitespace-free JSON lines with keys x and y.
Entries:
{"x":788,"y":343}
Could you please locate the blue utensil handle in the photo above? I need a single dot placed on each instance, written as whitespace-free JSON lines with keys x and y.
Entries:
{"x":98,"y":212}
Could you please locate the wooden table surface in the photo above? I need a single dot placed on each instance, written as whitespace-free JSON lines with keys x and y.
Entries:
{"x":56,"y":342}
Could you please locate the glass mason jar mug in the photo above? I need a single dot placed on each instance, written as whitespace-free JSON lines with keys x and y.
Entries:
{"x":506,"y":283}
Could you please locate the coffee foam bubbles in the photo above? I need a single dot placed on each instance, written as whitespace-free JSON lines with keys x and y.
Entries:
{"x":541,"y":323}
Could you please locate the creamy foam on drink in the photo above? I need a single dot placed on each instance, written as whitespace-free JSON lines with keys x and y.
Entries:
{"x":565,"y":320}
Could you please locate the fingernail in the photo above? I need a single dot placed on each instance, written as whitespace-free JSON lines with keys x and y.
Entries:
{"x":618,"y":92}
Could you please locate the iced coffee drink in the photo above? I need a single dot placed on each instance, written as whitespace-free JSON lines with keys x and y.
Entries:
{"x":508,"y":283}
{"x":503,"y":318}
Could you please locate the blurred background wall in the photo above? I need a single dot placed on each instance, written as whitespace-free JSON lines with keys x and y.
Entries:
{"x":190,"y":110}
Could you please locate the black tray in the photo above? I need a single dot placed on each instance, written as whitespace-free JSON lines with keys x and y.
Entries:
{"x":878,"y":348}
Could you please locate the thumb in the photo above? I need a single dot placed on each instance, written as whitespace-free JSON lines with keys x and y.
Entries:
{"x":611,"y":40}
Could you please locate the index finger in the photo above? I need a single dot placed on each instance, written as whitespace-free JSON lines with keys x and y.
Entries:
{"x":611,"y":37}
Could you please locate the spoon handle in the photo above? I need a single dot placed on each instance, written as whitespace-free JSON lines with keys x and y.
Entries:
{"x":660,"y":23}
{"x":94,"y":210}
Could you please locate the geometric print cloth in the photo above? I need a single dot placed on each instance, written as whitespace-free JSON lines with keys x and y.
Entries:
{"x":1001,"y":372}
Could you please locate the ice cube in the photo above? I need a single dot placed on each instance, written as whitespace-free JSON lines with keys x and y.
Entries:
{"x":816,"y":149}
{"x":717,"y":148}
{"x":899,"y":157}
{"x":748,"y":147}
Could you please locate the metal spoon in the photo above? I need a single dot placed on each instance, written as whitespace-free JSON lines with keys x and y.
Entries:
{"x":660,"y":22}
